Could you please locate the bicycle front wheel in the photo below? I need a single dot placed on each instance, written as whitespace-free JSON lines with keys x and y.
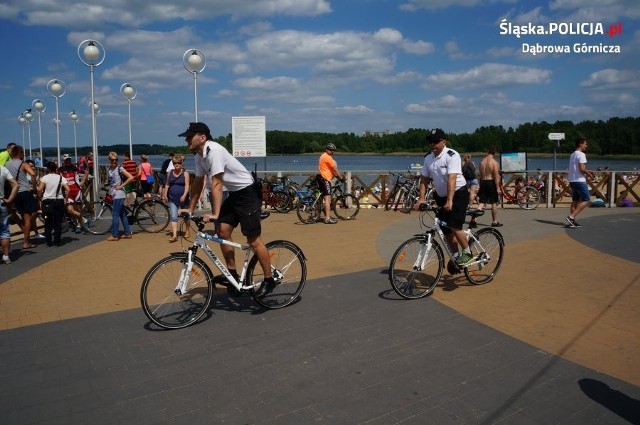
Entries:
{"x":307,"y":211}
{"x":346,"y":207}
{"x":415,"y":269}
{"x":98,"y":217}
{"x":289,"y":269}
{"x":528,"y":197}
{"x":168,"y":309}
{"x":488,"y":247}
{"x":152,"y":216}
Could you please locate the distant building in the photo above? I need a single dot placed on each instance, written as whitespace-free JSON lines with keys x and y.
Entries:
{"x":369,"y":133}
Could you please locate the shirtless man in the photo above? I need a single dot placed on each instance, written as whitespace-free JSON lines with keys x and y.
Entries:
{"x":490,"y":186}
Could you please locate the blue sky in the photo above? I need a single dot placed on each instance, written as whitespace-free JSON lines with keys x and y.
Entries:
{"x":315,"y":65}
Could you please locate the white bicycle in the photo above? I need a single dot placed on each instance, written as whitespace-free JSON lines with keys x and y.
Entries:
{"x":177,"y":290}
{"x":418,"y":264}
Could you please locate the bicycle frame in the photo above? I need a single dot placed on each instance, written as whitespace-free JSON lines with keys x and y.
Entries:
{"x":436,"y":229}
{"x":200,"y":242}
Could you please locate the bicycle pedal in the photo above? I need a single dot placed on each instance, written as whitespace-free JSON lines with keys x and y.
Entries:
{"x":453,"y":268}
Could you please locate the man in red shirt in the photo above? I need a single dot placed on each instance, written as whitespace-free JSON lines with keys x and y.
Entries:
{"x":132,"y":168}
{"x":74,"y":197}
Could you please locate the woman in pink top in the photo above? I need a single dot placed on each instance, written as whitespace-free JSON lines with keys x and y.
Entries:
{"x":146,"y":176}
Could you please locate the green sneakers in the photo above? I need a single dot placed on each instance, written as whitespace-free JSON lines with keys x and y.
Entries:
{"x":464,"y":259}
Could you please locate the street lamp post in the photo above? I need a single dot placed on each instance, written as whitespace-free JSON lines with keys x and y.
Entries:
{"x":128,"y":91}
{"x":39,"y":106}
{"x":194,"y":62}
{"x":57,"y":89}
{"x":74,"y":119}
{"x":22,"y":121}
{"x":92,"y":54}
{"x":29,"y":117}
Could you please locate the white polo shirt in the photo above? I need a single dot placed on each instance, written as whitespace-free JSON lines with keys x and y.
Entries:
{"x":215,"y":160}
{"x":439,"y":168}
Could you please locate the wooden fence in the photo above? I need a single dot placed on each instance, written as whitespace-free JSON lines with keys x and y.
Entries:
{"x":373,"y":186}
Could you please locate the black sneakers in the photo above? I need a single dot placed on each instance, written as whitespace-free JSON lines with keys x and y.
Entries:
{"x":266,"y":287}
{"x":572,"y":222}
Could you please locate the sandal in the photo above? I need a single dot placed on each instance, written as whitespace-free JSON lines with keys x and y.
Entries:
{"x":172,"y":240}
{"x":29,"y":246}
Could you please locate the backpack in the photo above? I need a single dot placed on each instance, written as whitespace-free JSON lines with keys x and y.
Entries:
{"x":469,"y":171}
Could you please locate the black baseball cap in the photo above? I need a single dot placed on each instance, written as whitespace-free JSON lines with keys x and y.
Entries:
{"x":436,"y":135}
{"x":195,"y":128}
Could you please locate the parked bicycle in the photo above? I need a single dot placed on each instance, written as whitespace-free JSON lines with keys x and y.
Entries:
{"x":274,"y":196}
{"x":177,"y":290}
{"x":405,"y":192}
{"x":526,"y":195}
{"x":344,"y":205}
{"x":418,"y":264}
{"x":151,"y":215}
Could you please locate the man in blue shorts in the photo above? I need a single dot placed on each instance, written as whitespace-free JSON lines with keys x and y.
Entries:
{"x":578,"y":174}
{"x":443,"y":166}
{"x":243,"y":205}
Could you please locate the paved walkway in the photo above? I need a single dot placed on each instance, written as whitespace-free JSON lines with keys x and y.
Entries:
{"x":554,"y":339}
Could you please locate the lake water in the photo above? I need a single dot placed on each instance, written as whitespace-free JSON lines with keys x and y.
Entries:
{"x":385,"y":163}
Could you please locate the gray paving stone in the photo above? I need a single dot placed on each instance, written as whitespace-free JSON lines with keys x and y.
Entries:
{"x":342,"y":355}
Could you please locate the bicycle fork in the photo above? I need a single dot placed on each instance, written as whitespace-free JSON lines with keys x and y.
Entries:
{"x":423,"y":254}
{"x":185,"y":274}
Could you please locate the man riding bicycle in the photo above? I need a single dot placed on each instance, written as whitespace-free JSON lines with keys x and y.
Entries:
{"x":242,"y":206}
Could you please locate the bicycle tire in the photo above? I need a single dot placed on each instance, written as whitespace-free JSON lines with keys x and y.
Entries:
{"x":152,"y":216}
{"x":528,"y":197}
{"x":159,"y":300}
{"x":408,"y":282}
{"x":98,"y":217}
{"x":493,"y":243}
{"x":346,"y":207}
{"x":289,"y":268}
{"x":388,"y":204}
{"x":409,"y":202}
{"x":429,"y":198}
{"x":281,"y":202}
{"x":307,"y":210}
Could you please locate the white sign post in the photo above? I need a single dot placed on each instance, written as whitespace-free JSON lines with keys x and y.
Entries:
{"x":558,"y":137}
{"x":249,"y":137}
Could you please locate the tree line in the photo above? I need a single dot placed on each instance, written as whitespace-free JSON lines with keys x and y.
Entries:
{"x":616,"y":136}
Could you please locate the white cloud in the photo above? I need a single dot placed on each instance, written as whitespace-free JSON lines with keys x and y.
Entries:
{"x":413,"y":5}
{"x":488,"y":75}
{"x":140,"y":12}
{"x":613,"y":79}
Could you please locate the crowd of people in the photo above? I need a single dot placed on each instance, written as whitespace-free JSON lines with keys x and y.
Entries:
{"x":57,"y":195}
{"x":234,"y":195}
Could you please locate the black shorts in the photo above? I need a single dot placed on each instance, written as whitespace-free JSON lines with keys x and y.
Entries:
{"x":243,"y":207}
{"x":488,"y":193}
{"x":324,"y":185}
{"x":25,"y":202}
{"x":456,"y":217}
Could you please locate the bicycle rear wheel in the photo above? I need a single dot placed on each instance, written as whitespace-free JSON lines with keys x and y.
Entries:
{"x":289,"y":268}
{"x":414,"y":272}
{"x":528,"y":197}
{"x":98,"y":217}
{"x":490,"y":249}
{"x":409,"y":202}
{"x":158,"y":295}
{"x":152,"y":216}
{"x":346,"y":207}
{"x":307,"y":210}
{"x":281,"y":202}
